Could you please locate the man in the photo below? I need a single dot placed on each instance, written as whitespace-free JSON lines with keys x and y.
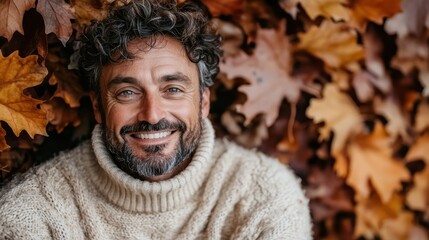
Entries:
{"x":153,"y":169}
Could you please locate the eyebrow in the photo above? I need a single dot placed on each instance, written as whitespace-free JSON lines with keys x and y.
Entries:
{"x":119,"y":80}
{"x":178,"y":76}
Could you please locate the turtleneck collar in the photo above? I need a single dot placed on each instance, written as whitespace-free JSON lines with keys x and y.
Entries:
{"x":136,"y":195}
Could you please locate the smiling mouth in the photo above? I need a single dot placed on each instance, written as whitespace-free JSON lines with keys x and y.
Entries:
{"x":153,"y":135}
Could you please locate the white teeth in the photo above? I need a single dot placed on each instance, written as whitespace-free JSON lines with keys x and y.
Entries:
{"x":153,"y":135}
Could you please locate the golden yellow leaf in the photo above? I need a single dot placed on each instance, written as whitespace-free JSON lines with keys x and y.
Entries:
{"x":334,"y":9}
{"x":398,"y":228}
{"x":371,"y":213}
{"x":363,"y":11}
{"x":334,"y":43}
{"x":20,"y":111}
{"x":3,"y":144}
{"x":340,"y":115}
{"x":371,"y":161}
{"x":422,"y":117}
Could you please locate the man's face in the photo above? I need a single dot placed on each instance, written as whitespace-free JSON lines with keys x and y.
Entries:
{"x":152,"y":108}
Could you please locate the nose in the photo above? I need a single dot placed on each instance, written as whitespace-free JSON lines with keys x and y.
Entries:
{"x":151,"y":109}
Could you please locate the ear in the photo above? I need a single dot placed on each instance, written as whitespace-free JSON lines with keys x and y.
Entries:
{"x":95,"y":106}
{"x":205,"y":102}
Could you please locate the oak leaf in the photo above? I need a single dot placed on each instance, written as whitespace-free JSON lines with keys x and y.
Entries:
{"x":371,"y":212}
{"x":418,"y":197}
{"x":339,"y":114}
{"x":20,"y":111}
{"x":13,"y":13}
{"x":363,"y":11}
{"x":370,"y":156}
{"x":268,"y":72}
{"x":334,"y":9}
{"x":3,"y":144}
{"x":334,"y":43}
{"x":56,"y":15}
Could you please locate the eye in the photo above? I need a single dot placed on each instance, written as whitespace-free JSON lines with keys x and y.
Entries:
{"x":174,"y":90}
{"x":126,"y":95}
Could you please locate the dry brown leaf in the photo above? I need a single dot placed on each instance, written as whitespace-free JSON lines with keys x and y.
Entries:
{"x":3,"y":144}
{"x":20,"y":111}
{"x":87,"y":10}
{"x":60,"y":114}
{"x":13,"y":13}
{"x":232,"y":36}
{"x":290,"y":6}
{"x":418,"y":233}
{"x":363,"y":11}
{"x":68,"y":87}
{"x":334,"y":43}
{"x":413,"y":53}
{"x":424,"y":80}
{"x":224,"y":7}
{"x":422,"y":117}
{"x":413,"y":19}
{"x":268,"y":72}
{"x":398,"y":228}
{"x":371,"y":161}
{"x":56,"y":15}
{"x":371,"y":213}
{"x":418,"y":197}
{"x":334,"y":9}
{"x":397,"y":124}
{"x":340,"y":115}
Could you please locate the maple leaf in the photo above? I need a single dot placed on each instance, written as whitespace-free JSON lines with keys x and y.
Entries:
{"x":397,"y":124}
{"x":340,"y":115}
{"x":418,"y":197}
{"x":338,"y":51}
{"x":3,"y":144}
{"x":268,"y":71}
{"x":56,"y":15}
{"x":68,"y":87}
{"x":13,"y":13}
{"x":370,"y":156}
{"x":334,"y":9}
{"x":60,"y":114}
{"x":422,"y":117}
{"x":413,"y":19}
{"x":371,"y":213}
{"x":363,"y":11}
{"x":19,"y":111}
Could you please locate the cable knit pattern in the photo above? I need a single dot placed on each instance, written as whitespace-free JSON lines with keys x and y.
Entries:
{"x":226,"y":192}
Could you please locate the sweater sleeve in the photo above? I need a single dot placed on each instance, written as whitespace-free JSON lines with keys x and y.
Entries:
{"x":278,"y":208}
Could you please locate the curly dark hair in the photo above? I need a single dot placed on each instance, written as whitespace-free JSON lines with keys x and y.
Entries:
{"x":106,"y":42}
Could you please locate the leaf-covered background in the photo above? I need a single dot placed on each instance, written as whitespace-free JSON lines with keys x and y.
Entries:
{"x":336,"y":89}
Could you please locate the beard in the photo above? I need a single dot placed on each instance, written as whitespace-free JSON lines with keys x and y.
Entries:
{"x":155,"y":163}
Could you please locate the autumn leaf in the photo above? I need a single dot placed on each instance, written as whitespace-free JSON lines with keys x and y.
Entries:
{"x":223,"y":7}
{"x":398,"y":228}
{"x":418,"y":197}
{"x":56,"y":15}
{"x":336,"y":52}
{"x":413,"y":53}
{"x":422,"y":117}
{"x":20,"y":111}
{"x":87,"y":10}
{"x":413,"y":19}
{"x":371,"y":213}
{"x":60,"y":114}
{"x":12,"y":12}
{"x":3,"y":144}
{"x":290,"y":6}
{"x":68,"y":87}
{"x":334,"y":9}
{"x":339,"y":114}
{"x":371,"y":161}
{"x":424,"y":80}
{"x":363,"y":11}
{"x":268,"y":73}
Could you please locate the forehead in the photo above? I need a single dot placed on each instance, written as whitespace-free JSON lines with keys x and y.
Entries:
{"x":158,"y":56}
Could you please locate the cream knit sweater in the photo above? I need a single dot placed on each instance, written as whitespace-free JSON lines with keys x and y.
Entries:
{"x":226,"y":192}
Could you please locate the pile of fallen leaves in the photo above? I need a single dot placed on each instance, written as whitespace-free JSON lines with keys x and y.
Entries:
{"x":336,"y":89}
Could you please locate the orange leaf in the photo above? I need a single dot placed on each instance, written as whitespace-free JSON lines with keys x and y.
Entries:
{"x":56,"y":15}
{"x":398,"y":228}
{"x":60,"y":114}
{"x":371,"y":213}
{"x":13,"y":13}
{"x":223,"y":7}
{"x":268,"y":71}
{"x":422,"y":117}
{"x":3,"y":144}
{"x":371,"y":161}
{"x":68,"y":87}
{"x":20,"y":111}
{"x":340,"y":115}
{"x":87,"y":10}
{"x":334,"y":9}
{"x":363,"y":11}
{"x":337,"y":51}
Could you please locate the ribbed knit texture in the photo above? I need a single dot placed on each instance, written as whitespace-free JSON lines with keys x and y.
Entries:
{"x":226,"y":192}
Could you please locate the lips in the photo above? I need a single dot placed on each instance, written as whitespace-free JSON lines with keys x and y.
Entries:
{"x":153,"y":135}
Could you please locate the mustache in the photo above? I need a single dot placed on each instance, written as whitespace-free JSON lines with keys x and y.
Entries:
{"x":145,"y":126}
